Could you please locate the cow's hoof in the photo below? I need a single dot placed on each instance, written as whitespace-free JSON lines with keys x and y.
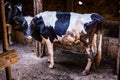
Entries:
{"x":50,"y":66}
{"x":10,"y":43}
{"x":48,"y":60}
{"x":85,"y":72}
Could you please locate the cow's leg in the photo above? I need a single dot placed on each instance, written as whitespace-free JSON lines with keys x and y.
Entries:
{"x":89,"y":63}
{"x":9,"y":27}
{"x":99,"y":52}
{"x":94,"y":45}
{"x":50,"y":52}
{"x":91,"y":50}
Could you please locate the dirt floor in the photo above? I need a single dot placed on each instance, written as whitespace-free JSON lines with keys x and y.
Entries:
{"x":68,"y":66}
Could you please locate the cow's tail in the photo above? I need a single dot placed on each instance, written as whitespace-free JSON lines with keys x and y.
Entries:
{"x":99,"y":43}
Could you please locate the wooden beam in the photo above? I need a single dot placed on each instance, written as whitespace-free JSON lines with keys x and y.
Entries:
{"x":110,"y":21}
{"x":8,"y":58}
{"x":40,"y":48}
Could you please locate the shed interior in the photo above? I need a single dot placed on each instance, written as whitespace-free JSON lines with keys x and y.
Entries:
{"x":109,"y":9}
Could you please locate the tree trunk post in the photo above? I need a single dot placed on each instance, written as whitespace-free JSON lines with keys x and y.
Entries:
{"x":4,"y":38}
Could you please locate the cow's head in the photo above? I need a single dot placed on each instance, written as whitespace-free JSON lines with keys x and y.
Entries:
{"x":17,"y":18}
{"x":18,"y":23}
{"x":17,"y":10}
{"x":23,"y":25}
{"x":34,"y":29}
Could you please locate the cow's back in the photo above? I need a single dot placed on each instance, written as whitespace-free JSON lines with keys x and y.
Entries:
{"x":62,"y":21}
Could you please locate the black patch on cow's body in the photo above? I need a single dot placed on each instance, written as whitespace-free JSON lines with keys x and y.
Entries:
{"x":38,"y":29}
{"x":62,"y":23}
{"x":36,"y":35}
{"x":94,"y":17}
{"x":46,"y":31}
{"x":49,"y":32}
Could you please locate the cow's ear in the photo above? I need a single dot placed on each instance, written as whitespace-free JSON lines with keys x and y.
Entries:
{"x":34,"y":20}
{"x":8,"y":5}
{"x":40,"y":21}
{"x":19,"y":6}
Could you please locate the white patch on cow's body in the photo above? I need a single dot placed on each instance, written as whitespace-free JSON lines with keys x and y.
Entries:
{"x":76,"y":24}
{"x":28,"y":19}
{"x":86,"y":18}
{"x":49,"y":18}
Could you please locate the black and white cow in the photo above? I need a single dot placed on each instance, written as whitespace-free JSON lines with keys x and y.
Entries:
{"x":67,"y":27}
{"x":12,"y":12}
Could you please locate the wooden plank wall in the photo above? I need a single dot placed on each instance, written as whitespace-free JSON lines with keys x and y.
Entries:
{"x":110,"y":11}
{"x":54,"y":5}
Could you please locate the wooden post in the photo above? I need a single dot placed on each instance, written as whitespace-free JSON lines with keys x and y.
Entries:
{"x":39,"y":47}
{"x":4,"y":37}
{"x":118,"y":59}
{"x":37,"y":6}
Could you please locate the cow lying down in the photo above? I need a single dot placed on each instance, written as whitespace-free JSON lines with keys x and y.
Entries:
{"x":67,"y":27}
